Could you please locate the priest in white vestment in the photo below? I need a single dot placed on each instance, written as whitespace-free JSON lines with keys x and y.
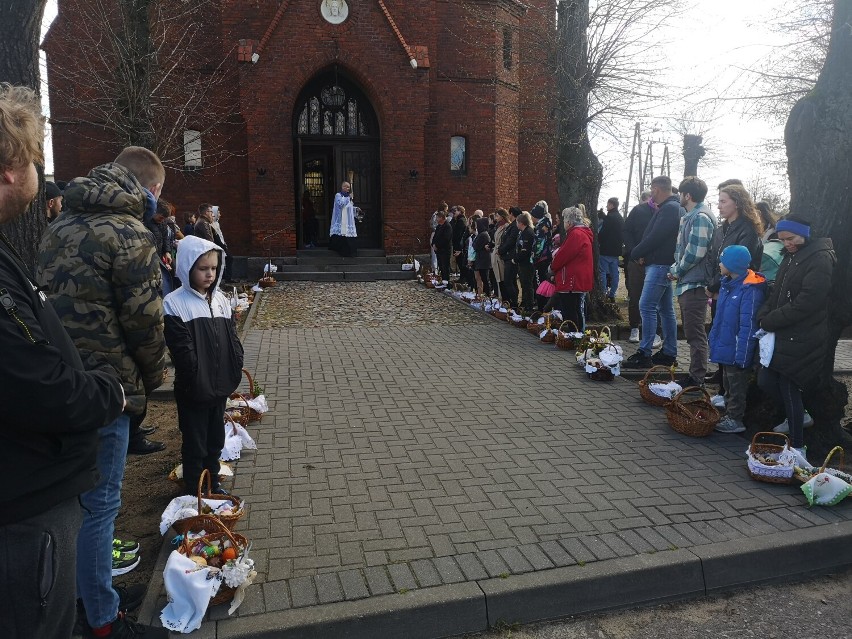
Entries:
{"x":343,"y":232}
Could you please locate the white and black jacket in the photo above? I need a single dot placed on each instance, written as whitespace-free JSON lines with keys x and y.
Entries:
{"x":201,"y":333}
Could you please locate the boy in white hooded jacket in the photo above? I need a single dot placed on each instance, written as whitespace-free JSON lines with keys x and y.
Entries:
{"x":202,"y":337}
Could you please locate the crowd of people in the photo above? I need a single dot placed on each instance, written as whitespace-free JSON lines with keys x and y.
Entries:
{"x":116,"y":283}
{"x":748,"y":267}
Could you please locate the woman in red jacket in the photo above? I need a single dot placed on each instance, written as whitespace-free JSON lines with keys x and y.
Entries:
{"x":572,"y":266}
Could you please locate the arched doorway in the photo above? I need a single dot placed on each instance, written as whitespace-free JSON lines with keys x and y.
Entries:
{"x":336,"y":138}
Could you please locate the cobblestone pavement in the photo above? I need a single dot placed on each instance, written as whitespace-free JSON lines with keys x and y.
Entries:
{"x":398,"y":455}
{"x":359,"y":304}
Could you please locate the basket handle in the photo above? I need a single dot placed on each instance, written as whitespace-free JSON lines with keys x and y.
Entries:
{"x":770,"y":434}
{"x":233,"y":425}
{"x":201,"y":477}
{"x":652,"y":369}
{"x":576,"y":330}
{"x":608,"y":333}
{"x":691,"y":389}
{"x":830,"y":455}
{"x":251,"y":383}
{"x":208,"y":519}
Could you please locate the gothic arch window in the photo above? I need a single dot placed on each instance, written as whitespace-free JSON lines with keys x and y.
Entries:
{"x":458,"y":155}
{"x":333,"y":107}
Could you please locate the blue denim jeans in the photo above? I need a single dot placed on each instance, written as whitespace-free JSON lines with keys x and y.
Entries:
{"x":100,"y":507}
{"x":609,"y":266}
{"x":658,"y":298}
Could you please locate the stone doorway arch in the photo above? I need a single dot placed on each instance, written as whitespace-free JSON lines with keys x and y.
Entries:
{"x":336,"y":138}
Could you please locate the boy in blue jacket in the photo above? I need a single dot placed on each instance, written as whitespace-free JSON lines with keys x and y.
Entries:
{"x":732,"y":341}
{"x":202,"y":338}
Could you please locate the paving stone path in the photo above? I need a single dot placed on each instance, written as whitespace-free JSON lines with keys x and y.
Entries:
{"x":414,"y":442}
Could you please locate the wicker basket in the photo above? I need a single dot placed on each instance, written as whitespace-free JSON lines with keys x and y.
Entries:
{"x":229,"y":521}
{"x":267,"y":281}
{"x":649,"y":396}
{"x":602,"y":374}
{"x":500,"y":315}
{"x":588,"y":340}
{"x":533,"y":327}
{"x":769,"y":471}
{"x":836,"y":468}
{"x":549,"y":337}
{"x":563,"y":341}
{"x":694,"y":417}
{"x":215,"y":531}
{"x":521,"y":323}
{"x":251,"y":414}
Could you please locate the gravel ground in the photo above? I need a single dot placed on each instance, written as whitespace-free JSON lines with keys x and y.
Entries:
{"x":361,"y":304}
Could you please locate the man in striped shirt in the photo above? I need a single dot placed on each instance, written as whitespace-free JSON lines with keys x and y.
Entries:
{"x":691,"y":272}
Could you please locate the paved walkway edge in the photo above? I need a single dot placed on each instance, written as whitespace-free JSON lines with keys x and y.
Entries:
{"x":444,"y":611}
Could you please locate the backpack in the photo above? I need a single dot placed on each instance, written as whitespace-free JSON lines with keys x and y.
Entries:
{"x":772,"y":258}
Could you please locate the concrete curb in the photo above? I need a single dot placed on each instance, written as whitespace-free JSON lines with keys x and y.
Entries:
{"x":603,"y":585}
{"x":442,"y":611}
{"x":475,"y":606}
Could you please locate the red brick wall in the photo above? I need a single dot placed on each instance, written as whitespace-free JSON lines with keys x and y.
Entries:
{"x":465,"y":91}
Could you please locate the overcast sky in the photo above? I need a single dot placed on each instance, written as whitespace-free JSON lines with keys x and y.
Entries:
{"x":706,"y":43}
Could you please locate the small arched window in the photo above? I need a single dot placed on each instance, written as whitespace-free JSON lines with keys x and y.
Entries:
{"x":458,"y":155}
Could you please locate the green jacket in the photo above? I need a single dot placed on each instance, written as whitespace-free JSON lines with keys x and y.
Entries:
{"x":101,"y":270}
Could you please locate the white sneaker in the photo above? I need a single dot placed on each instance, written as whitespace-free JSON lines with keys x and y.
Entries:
{"x":784,"y":427}
{"x":658,"y":342}
{"x":729,"y":425}
{"x":634,"y":336}
{"x":718,"y":401}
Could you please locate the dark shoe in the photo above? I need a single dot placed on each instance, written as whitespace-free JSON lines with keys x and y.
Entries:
{"x":147,"y":430}
{"x":130,"y":597}
{"x":638,"y":360}
{"x":688,"y":381}
{"x":122,"y":563}
{"x":714,"y":378}
{"x":124,"y":628}
{"x":142,"y":446}
{"x":661,"y":359}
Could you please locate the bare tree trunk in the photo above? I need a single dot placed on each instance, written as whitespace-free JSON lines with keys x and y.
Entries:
{"x":819,"y":153}
{"x":579,"y":173}
{"x":20,"y":33}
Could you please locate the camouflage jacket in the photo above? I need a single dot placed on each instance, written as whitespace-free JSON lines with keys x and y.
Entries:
{"x":102,"y":274}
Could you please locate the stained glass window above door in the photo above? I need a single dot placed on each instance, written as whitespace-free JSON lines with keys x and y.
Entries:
{"x":331,"y":111}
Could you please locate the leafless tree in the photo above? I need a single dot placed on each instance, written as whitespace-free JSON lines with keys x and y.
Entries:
{"x":143,"y":72}
{"x":607,"y":72}
{"x":20,"y":32}
{"x":819,"y":153}
{"x":790,"y":69}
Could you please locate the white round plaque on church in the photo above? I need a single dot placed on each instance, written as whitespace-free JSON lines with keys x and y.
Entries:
{"x":334,"y":11}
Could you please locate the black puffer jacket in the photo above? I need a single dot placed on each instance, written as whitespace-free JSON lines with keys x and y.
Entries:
{"x":508,"y":244}
{"x":658,"y":242}
{"x":796,"y":311}
{"x":741,"y":232}
{"x":610,"y":239}
{"x":52,"y":407}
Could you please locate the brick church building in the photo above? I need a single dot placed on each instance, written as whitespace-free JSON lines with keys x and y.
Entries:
{"x":412,"y":101}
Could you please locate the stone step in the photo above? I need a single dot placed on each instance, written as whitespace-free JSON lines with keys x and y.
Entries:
{"x":331,"y":259}
{"x":321,"y":252}
{"x":360,"y":266}
{"x":340,"y":276}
